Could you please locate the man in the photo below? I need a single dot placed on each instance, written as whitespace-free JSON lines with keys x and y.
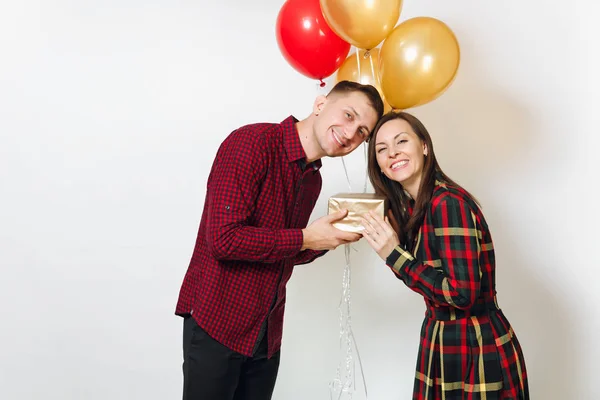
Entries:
{"x":261,"y":190}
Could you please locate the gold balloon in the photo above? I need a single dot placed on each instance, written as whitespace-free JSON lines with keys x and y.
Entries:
{"x":362,"y":23}
{"x":363,"y":67}
{"x":418,"y":62}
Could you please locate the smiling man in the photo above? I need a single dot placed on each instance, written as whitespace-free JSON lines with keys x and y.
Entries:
{"x":261,"y":190}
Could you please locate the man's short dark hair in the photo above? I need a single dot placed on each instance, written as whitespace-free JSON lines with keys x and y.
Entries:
{"x":345,"y":87}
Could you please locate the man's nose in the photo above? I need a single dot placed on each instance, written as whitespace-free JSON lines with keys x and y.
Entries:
{"x":352,"y":131}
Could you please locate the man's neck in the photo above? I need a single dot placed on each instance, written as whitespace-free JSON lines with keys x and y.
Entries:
{"x":307,"y":139}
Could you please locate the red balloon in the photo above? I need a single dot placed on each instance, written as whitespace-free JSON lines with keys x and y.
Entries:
{"x":307,"y":42}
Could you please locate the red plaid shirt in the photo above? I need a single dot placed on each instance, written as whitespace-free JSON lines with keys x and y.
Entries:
{"x":260,"y":195}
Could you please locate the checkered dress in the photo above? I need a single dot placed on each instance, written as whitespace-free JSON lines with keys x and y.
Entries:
{"x":468,"y":348}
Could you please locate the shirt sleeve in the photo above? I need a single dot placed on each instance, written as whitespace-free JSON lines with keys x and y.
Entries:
{"x":233,"y":187}
{"x":308,"y":256}
{"x":457,"y":282}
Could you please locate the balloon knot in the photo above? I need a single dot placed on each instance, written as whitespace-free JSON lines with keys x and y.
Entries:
{"x":322,"y":84}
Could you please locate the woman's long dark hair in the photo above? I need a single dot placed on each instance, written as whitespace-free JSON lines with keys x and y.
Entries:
{"x":407,"y":225}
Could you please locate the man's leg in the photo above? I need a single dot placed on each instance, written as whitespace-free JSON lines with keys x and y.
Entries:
{"x":211,"y":371}
{"x":258,"y":375}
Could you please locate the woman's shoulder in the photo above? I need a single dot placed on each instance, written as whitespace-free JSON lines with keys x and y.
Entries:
{"x":451,"y":195}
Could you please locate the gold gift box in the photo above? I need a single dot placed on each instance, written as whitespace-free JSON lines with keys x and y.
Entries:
{"x":357,"y":204}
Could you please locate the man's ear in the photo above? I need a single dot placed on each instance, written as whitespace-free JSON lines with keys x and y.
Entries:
{"x":319,"y":104}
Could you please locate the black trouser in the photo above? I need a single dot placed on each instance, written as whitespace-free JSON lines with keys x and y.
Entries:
{"x":212,"y":371}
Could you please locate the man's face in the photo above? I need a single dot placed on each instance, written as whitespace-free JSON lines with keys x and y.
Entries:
{"x":343,"y":122}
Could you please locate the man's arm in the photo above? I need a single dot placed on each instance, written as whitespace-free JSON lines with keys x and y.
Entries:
{"x":308,"y":256}
{"x":233,"y":187}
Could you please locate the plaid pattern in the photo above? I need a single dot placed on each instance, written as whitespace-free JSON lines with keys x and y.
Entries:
{"x":468,"y":349}
{"x":260,"y":195}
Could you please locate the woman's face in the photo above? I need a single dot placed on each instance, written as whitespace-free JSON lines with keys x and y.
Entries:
{"x":401,"y":154}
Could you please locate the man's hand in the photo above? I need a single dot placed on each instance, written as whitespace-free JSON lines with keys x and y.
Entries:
{"x":322,"y":235}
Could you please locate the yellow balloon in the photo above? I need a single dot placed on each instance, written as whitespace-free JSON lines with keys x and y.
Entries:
{"x":362,"y":23}
{"x":363,"y":67}
{"x":418,"y":62}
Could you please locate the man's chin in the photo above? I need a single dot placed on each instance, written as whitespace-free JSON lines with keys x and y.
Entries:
{"x":344,"y":151}
{"x":338,"y":154}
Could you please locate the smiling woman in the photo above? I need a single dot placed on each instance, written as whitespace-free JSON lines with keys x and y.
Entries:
{"x":439,"y":244}
{"x":401,"y":153}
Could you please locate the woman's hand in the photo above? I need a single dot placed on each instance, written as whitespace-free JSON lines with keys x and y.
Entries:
{"x":380,"y":234}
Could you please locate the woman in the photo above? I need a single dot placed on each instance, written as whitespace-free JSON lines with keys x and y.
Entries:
{"x":438,"y":243}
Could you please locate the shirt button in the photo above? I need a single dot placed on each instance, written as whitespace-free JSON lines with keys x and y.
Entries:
{"x":227,"y":208}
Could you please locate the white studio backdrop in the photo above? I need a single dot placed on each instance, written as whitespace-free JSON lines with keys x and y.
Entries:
{"x":110,"y":115}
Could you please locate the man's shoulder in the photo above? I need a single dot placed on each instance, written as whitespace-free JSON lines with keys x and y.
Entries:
{"x":253,"y":139}
{"x":258,"y":130}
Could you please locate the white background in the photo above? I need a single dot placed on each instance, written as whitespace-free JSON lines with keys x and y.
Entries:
{"x":110,"y":115}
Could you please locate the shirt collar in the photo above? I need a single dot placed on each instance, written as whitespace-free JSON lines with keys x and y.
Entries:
{"x":293,"y":146}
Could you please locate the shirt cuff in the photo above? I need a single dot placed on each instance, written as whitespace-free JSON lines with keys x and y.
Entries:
{"x":289,"y":242}
{"x":398,"y":259}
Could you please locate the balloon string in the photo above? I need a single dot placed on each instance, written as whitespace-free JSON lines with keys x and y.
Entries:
{"x":346,"y":172}
{"x":359,"y":77}
{"x":345,"y":380}
{"x":365,"y":151}
{"x":366,"y":167}
{"x":375,"y":75}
